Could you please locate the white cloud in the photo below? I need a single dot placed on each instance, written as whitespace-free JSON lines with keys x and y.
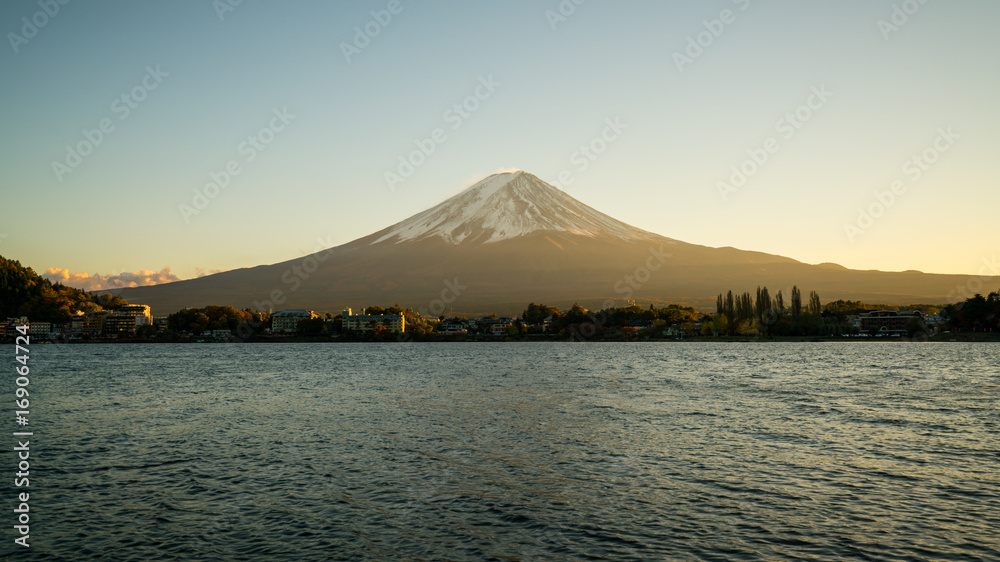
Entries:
{"x":201,"y":271}
{"x":97,"y":282}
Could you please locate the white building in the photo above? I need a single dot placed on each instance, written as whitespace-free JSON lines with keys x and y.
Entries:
{"x":499,"y":327}
{"x":395,"y":323}
{"x":287,"y":321}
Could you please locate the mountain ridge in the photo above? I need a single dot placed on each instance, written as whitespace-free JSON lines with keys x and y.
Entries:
{"x":511,"y":239}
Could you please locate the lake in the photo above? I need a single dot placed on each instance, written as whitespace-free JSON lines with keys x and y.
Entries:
{"x":511,"y":451}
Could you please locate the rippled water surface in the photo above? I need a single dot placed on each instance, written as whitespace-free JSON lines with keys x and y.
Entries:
{"x":880,"y":451}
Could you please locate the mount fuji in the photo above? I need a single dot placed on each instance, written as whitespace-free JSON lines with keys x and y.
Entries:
{"x":507,"y":206}
{"x":511,"y":239}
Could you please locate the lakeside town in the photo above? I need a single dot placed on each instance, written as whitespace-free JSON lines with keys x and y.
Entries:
{"x":136,"y":323}
{"x":56,"y":313}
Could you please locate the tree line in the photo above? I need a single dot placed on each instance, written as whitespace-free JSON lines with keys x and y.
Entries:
{"x":198,"y":320}
{"x":754,"y":315}
{"x":976,"y":314}
{"x":25,"y":293}
{"x":580,"y":322}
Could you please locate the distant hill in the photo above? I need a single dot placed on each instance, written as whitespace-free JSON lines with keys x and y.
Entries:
{"x":25,"y":293}
{"x":512,"y":239}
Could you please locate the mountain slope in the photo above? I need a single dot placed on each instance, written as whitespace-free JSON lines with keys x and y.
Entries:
{"x":512,"y":239}
{"x":506,"y":206}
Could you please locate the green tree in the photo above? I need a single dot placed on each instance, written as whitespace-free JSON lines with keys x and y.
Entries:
{"x":721,"y":324}
{"x":199,"y":323}
{"x":916,"y":326}
{"x":747,"y":327}
{"x":312,"y":327}
{"x":762,"y":308}
{"x":535,"y":313}
{"x":730,"y":307}
{"x":814,"y":305}
{"x":25,"y":293}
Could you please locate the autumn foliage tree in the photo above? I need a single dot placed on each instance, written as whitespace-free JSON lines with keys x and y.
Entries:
{"x":25,"y":293}
{"x":197,"y":320}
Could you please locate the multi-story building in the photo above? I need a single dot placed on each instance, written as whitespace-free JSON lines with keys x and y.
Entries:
{"x":118,"y":325}
{"x":160,"y":322}
{"x":287,"y":321}
{"x":41,"y":330}
{"x":140,"y":312}
{"x":77,"y":323}
{"x":10,"y":329}
{"x":887,"y":322}
{"x":127,"y":319}
{"x":453,"y":328}
{"x":395,"y":323}
{"x":93,"y":324}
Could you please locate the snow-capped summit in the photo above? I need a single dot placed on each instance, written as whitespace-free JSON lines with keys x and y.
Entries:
{"x":508,"y":205}
{"x":512,"y":239}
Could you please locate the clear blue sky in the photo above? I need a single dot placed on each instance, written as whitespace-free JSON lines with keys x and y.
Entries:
{"x":215,"y":81}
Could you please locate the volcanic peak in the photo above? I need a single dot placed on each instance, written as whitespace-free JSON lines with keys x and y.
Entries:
{"x":505,"y":206}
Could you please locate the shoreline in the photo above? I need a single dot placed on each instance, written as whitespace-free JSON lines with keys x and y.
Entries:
{"x":938,"y":338}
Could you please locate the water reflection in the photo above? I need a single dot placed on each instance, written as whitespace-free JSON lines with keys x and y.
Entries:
{"x":517,"y":451}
